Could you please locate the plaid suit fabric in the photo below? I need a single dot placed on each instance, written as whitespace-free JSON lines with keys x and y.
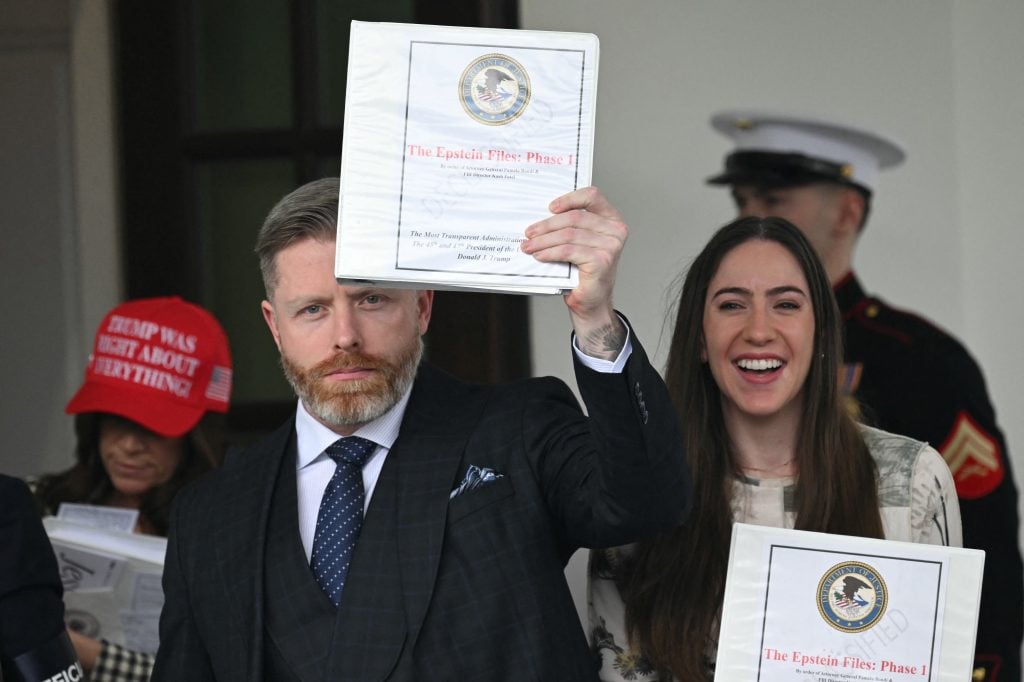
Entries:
{"x":212,"y":621}
{"x":453,"y":589}
{"x":299,"y":617}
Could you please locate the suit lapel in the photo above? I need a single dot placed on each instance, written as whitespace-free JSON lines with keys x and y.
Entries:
{"x":299,"y":618}
{"x":391,"y":579}
{"x":238,"y":552}
{"x":392,"y":576}
{"x":370,"y":630}
{"x":430,"y":449}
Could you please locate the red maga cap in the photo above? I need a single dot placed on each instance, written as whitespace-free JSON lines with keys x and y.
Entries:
{"x":160,"y":362}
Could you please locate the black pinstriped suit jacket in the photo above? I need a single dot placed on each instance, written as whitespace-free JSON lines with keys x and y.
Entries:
{"x":470,"y":588}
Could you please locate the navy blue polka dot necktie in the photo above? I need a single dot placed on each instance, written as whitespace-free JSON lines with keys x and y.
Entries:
{"x":340,"y":516}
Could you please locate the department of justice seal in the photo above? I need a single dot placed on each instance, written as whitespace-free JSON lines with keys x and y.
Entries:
{"x":494,"y":89}
{"x":852,"y":596}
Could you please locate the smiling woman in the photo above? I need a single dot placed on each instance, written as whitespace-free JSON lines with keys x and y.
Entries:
{"x":148,"y":421}
{"x":758,"y":340}
{"x":753,"y":371}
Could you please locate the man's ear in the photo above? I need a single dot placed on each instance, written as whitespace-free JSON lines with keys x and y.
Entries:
{"x":268,"y":317}
{"x":424,"y":306}
{"x":851,"y":211}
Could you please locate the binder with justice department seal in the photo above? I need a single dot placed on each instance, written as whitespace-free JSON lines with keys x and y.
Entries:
{"x":802,"y":606}
{"x":455,"y":141}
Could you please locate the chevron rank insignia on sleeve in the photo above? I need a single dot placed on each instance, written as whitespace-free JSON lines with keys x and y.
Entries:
{"x":973,"y":457}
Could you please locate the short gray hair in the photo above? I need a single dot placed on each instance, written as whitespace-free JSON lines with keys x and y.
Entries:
{"x":309,"y":212}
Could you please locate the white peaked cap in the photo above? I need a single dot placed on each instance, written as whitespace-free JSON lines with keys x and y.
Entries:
{"x":850,"y":154}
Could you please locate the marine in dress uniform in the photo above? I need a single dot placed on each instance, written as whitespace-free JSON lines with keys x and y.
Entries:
{"x":903,"y":373}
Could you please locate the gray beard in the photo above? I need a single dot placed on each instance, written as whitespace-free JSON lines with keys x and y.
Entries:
{"x":360,"y":406}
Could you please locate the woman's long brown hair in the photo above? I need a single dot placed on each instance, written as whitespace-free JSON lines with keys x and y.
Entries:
{"x":87,"y":481}
{"x":676,"y":582}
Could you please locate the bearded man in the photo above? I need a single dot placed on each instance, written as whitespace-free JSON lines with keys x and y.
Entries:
{"x":429,"y":541}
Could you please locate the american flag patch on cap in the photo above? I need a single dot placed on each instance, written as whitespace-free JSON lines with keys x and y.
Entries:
{"x":220,"y":384}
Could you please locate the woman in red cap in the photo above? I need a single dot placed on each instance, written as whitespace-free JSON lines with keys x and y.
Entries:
{"x":148,"y":421}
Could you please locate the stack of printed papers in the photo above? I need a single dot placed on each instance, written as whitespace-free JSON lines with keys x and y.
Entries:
{"x":111,"y":580}
{"x":455,"y":141}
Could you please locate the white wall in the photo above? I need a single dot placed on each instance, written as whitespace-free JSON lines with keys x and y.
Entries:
{"x":989,"y":152}
{"x":57,"y":220}
{"x":97,"y":251}
{"x":35,"y":200}
{"x":941,"y":76}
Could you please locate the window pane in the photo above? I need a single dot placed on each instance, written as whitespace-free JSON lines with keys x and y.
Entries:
{"x":234,"y":198}
{"x":242,"y":65}
{"x":333,"y":23}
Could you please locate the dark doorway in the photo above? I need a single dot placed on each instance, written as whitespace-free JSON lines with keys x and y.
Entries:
{"x":226,"y":106}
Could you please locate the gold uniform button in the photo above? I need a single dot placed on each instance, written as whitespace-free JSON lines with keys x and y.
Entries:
{"x":872,"y":310}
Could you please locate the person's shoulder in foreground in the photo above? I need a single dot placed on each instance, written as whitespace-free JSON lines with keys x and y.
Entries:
{"x":34,"y":644}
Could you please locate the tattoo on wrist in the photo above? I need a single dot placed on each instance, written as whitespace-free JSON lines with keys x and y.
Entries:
{"x":605,"y":342}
